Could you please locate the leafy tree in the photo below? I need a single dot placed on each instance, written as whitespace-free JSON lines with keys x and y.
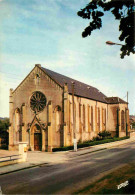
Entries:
{"x":4,"y":124}
{"x":4,"y":137}
{"x":123,"y":10}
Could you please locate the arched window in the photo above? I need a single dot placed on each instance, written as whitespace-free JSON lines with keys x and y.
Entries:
{"x":83,"y":117}
{"x":88,"y":118}
{"x":37,"y":101}
{"x":17,"y":125}
{"x":122,"y":121}
{"x":91,"y":118}
{"x":80,"y":117}
{"x":58,"y":117}
{"x":104,"y":119}
{"x":75,"y":114}
{"x":70,"y":116}
{"x":98,"y":119}
{"x":37,"y":77}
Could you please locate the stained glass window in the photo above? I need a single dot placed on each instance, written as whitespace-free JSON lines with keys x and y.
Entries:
{"x":37,"y":101}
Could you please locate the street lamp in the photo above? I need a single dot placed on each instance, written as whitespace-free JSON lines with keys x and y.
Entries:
{"x":74,"y":130}
{"x":112,"y":43}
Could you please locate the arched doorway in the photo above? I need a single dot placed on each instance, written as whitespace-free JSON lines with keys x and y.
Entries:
{"x":37,"y":138}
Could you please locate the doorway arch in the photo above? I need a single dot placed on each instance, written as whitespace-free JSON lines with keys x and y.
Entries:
{"x":37,"y":138}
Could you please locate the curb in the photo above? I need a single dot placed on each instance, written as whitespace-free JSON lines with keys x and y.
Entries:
{"x":36,"y":165}
{"x":79,"y":149}
{"x":32,"y":166}
{"x":100,"y":149}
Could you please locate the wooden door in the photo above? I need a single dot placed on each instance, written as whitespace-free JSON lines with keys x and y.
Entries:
{"x":37,"y":141}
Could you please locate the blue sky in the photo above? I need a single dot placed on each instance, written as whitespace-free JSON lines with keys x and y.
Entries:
{"x":48,"y":32}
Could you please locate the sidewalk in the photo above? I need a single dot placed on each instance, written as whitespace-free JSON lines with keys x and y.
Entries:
{"x":40,"y":158}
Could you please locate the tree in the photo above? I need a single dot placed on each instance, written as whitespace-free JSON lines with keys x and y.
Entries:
{"x":4,"y":137}
{"x":123,"y":10}
{"x":4,"y":124}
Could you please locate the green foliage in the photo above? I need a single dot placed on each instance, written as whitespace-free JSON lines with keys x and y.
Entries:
{"x":4,"y":147}
{"x":123,"y":10}
{"x":4,"y":124}
{"x":104,"y":134}
{"x":133,"y":125}
{"x":89,"y":143}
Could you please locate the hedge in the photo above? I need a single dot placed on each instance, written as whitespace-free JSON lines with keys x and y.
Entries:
{"x":90,"y":143}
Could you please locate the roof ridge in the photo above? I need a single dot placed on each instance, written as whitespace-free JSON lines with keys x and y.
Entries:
{"x":69,"y":77}
{"x":80,"y":89}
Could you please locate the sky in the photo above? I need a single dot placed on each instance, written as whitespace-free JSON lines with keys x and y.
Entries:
{"x":48,"y":32}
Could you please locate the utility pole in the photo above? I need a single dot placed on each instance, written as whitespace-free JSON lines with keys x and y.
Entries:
{"x":74,"y":131}
{"x":127,"y":117}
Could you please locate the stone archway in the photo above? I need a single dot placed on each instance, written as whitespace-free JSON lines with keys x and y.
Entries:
{"x":37,"y":137}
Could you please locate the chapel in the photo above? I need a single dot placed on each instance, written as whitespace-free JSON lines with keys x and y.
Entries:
{"x":47,"y":110}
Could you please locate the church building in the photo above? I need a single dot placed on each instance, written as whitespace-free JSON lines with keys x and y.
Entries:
{"x":48,"y":110}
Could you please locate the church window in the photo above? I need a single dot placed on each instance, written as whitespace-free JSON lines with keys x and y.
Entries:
{"x":75,"y":114}
{"x":122,"y":121}
{"x":92,"y":118}
{"x":88,"y":118}
{"x":17,"y":124}
{"x":99,"y":119}
{"x":84,"y":117}
{"x":70,"y":116}
{"x":104,"y":119}
{"x":79,"y":117}
{"x":58,"y":117}
{"x":37,"y":77}
{"x":37,"y":101}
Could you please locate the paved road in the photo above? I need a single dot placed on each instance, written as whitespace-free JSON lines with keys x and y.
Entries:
{"x":69,"y":176}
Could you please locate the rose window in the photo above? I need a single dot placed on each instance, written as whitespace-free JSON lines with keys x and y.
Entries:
{"x":37,"y":101}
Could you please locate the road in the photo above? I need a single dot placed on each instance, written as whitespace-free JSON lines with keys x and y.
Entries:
{"x":68,"y":176}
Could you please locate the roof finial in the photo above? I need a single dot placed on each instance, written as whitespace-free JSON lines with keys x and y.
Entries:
{"x":39,"y":65}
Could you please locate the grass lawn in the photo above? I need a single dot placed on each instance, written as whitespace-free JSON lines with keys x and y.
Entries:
{"x":108,"y":184}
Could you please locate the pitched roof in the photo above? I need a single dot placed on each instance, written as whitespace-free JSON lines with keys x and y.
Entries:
{"x":115,"y":100}
{"x":80,"y":89}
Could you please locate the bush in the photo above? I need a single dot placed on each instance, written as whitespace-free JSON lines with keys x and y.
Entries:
{"x":4,"y":147}
{"x":89,"y":143}
{"x":104,"y":134}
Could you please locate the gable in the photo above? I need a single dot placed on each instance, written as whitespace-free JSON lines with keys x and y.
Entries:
{"x":31,"y":76}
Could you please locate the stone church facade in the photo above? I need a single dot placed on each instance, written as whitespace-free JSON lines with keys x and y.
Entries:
{"x":41,"y":111}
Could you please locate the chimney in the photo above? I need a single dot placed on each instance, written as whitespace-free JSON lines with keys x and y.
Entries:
{"x":39,"y":65}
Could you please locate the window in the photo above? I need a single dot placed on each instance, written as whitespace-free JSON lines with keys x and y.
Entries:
{"x":91,"y":118}
{"x":83,"y":117}
{"x":80,"y":126}
{"x":122,"y":121}
{"x":37,"y":101}
{"x":88,"y":118}
{"x":104,"y":119}
{"x":75,"y":114}
{"x":70,"y":116}
{"x":17,"y":125}
{"x":37,"y":77}
{"x":58,"y":117}
{"x":98,"y":119}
